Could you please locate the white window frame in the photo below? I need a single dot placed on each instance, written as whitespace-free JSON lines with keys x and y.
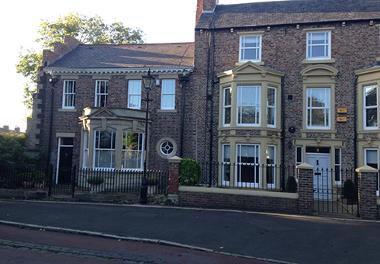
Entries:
{"x":308,"y":45}
{"x":311,"y":108}
{"x":272,"y":185}
{"x":239,"y":106}
{"x":99,"y":95}
{"x":169,"y":82}
{"x":225,"y":163}
{"x":104,"y":149}
{"x":65,"y":93}
{"x":365,"y":108}
{"x":86,"y":152}
{"x":123,"y":152}
{"x":130,"y":94}
{"x":241,"y":48}
{"x":338,"y":165}
{"x":225,"y":107}
{"x":272,"y":107}
{"x":238,"y":164}
{"x":378,"y":165}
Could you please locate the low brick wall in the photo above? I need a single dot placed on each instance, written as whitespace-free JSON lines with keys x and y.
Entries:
{"x":238,"y":199}
{"x":23,"y":194}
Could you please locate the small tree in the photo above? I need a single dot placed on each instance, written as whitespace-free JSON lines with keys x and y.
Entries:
{"x":349,"y":191}
{"x":291,"y":185}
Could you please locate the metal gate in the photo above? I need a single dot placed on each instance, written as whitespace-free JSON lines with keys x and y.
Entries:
{"x":335,"y":192}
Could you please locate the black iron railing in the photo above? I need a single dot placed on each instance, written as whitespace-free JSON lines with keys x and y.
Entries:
{"x":271,"y":177}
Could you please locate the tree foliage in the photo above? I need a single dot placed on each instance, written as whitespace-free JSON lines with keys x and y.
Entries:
{"x":12,"y":147}
{"x":88,"y":30}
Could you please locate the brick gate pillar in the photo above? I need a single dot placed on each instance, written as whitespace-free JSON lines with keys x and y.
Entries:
{"x":173,"y":184}
{"x":305,"y":189}
{"x":367,"y":177}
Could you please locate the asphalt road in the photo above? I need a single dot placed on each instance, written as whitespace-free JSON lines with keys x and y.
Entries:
{"x":20,"y":246}
{"x":288,"y":238}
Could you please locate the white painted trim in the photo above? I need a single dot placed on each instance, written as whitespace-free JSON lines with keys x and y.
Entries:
{"x":167,"y":94}
{"x":328,"y":57}
{"x":259,"y":48}
{"x":328,"y":127}
{"x":275,"y":107}
{"x":258,"y":89}
{"x":64,"y":95}
{"x":129,"y":94}
{"x":365,"y":127}
{"x":224,"y":107}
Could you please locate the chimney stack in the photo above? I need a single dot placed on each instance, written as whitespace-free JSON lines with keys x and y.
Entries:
{"x":205,"y":6}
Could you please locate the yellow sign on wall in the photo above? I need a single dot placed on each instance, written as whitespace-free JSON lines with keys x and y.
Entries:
{"x":341,"y":119}
{"x":342,"y":110}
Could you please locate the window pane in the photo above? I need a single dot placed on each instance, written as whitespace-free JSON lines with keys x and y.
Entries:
{"x":227,"y":115}
{"x":299,"y":155}
{"x":318,"y":117}
{"x":318,"y":97}
{"x":371,"y":158}
{"x":168,"y":86}
{"x":318,"y":51}
{"x":371,"y":96}
{"x":337,"y":156}
{"x":134,"y":101}
{"x":371,"y":117}
{"x":227,"y":96}
{"x":167,"y":102}
{"x":271,"y":97}
{"x":134,"y":87}
{"x":226,"y":164}
{"x":271,"y":116}
{"x":248,"y":104}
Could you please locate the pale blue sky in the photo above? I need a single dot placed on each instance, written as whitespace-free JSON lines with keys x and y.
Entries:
{"x":161,"y":21}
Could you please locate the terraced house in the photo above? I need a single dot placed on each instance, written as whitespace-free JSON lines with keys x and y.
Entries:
{"x":271,"y":84}
{"x":281,"y":83}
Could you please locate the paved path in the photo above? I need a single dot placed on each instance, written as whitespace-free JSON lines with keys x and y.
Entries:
{"x":288,"y":238}
{"x":19,"y":246}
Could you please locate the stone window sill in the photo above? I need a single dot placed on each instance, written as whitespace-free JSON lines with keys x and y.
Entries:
{"x":67,"y":110}
{"x":306,"y":61}
{"x":261,"y":63}
{"x":322,"y":131}
{"x":166,"y":111}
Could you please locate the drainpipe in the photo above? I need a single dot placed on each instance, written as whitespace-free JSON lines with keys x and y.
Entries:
{"x":183,"y":81}
{"x":283,"y":170}
{"x":355,"y":120}
{"x":52,"y":81}
{"x":210,"y":96}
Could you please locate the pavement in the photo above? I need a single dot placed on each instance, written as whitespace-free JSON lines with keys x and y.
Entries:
{"x":288,"y":238}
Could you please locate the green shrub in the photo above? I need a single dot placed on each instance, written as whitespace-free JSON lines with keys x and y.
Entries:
{"x":291,"y":185}
{"x":190,"y":172}
{"x":349,"y":191}
{"x":95,"y":180}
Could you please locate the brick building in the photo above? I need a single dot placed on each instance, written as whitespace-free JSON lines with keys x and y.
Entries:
{"x":276,"y":83}
{"x":90,"y":110}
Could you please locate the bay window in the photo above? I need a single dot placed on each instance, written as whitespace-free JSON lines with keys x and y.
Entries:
{"x":248,"y":165}
{"x":271,"y":166}
{"x":226,"y":164}
{"x":248,"y":105}
{"x":227,"y":106}
{"x":133,"y":150}
{"x":104,"y":149}
{"x":318,"y":108}
{"x":271,"y":107}
{"x":370,"y":107}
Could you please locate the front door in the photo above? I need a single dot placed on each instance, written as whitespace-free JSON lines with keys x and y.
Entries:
{"x":65,"y":157}
{"x":322,"y":175}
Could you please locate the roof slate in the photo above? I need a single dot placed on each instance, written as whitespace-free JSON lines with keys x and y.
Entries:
{"x":290,"y":12}
{"x":163,"y":55}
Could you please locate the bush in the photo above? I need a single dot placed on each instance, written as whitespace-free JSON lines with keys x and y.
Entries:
{"x":291,"y":185}
{"x":190,"y":172}
{"x":349,"y":191}
{"x":95,"y":180}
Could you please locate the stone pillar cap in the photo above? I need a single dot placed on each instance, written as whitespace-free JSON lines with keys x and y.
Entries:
{"x":365,"y":168}
{"x":175,"y":159}
{"x":305,"y":166}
